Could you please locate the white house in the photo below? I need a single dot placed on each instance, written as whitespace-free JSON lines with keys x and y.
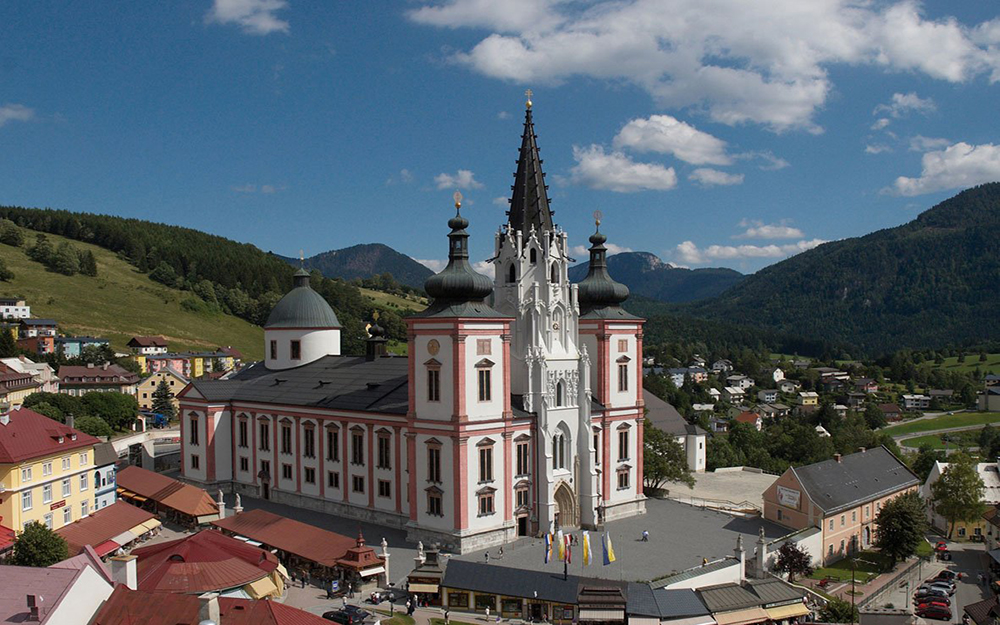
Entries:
{"x":776,"y":374}
{"x":740,"y":381}
{"x":789,"y":386}
{"x":916,"y":402}
{"x":768,"y":396}
{"x":14,"y":308}
{"x":733,"y":394}
{"x":990,"y":495}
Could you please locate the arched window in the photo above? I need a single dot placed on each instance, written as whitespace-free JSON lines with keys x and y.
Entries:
{"x":533,"y":256}
{"x":555,"y":273}
{"x":560,"y":393}
{"x":559,"y":452}
{"x":511,"y":274}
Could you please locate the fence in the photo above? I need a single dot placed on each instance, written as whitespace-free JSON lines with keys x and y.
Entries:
{"x":909,"y":574}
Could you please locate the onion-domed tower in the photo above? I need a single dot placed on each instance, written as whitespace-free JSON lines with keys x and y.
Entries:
{"x":301,"y":328}
{"x":599,"y":295}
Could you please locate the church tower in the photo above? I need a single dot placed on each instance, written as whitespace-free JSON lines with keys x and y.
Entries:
{"x":549,"y":376}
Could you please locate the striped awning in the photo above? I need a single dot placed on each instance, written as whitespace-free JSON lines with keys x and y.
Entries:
{"x":373,"y":571}
{"x":151,"y":525}
{"x":742,"y":617}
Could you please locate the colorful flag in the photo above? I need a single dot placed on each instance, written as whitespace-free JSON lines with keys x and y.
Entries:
{"x":609,"y":550}
{"x":548,"y":547}
{"x":586,"y":548}
{"x":569,"y":551}
{"x":561,"y":545}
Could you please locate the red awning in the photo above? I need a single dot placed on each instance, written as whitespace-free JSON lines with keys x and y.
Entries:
{"x":106,"y":547}
{"x":7,"y":537}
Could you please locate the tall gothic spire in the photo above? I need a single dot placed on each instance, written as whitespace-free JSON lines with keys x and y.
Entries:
{"x":529,"y":202}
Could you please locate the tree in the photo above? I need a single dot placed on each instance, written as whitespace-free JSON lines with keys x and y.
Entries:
{"x":10,"y":234}
{"x":874,"y":416}
{"x":164,"y":274}
{"x":88,"y":263}
{"x":838,"y":611}
{"x":163,"y":400}
{"x":793,"y":560}
{"x":118,"y":409}
{"x":95,"y":426}
{"x":50,"y":411}
{"x":958,"y":494}
{"x":8,"y":346}
{"x":41,"y":251}
{"x":900,"y":526}
{"x":65,"y":260}
{"x":38,"y":546}
{"x":924,"y":461}
{"x":663,"y":459}
{"x":6,"y":274}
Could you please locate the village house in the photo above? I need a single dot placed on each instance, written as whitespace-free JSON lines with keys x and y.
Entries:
{"x":891,"y":412}
{"x":866,"y":385}
{"x":147,"y":345}
{"x":739,"y":381}
{"x":722,"y":366}
{"x":174,"y":380}
{"x":73,"y":346}
{"x":78,"y":380}
{"x":789,"y":386}
{"x":15,"y":386}
{"x":990,"y":495}
{"x":775,"y":373}
{"x":14,"y":308}
{"x":752,"y":419}
{"x":44,"y":374}
{"x":808,"y":401}
{"x":916,"y":402}
{"x":768,"y":396}
{"x":691,"y":438}
{"x":733,"y":394}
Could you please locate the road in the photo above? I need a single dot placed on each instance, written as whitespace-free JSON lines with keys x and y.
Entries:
{"x":968,"y":559}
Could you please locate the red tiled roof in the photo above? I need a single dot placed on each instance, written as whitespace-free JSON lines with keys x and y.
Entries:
{"x":104,"y":374}
{"x":32,"y":435}
{"x":205,"y":562}
{"x":167,"y":491}
{"x":129,"y":607}
{"x":102,"y":525}
{"x":748,"y":417}
{"x":147,"y":341}
{"x":304,"y":540}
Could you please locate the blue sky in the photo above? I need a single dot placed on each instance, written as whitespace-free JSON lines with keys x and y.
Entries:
{"x":711,"y":133}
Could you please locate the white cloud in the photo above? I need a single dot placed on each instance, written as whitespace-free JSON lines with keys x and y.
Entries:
{"x":708,"y":177}
{"x":254,"y":17}
{"x":902,"y":104}
{"x":405,"y":176}
{"x":956,"y":167}
{"x":770,"y":161}
{"x":739,"y":62}
{"x":501,"y":201}
{"x":877,"y":148}
{"x":462,"y":179}
{"x":690,"y":253}
{"x":614,"y":171}
{"x":760,"y":230}
{"x":432,"y":264}
{"x":15,"y":113}
{"x":503,"y":115}
{"x":583,"y":252}
{"x":485,"y":268}
{"x":668,"y":135}
{"x":267,"y":188}
{"x":881,"y":123}
{"x":920,"y":143}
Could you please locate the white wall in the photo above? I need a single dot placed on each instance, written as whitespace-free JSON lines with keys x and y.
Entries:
{"x":190,"y":450}
{"x":223,"y":442}
{"x":726,"y":575}
{"x":314,"y":345}
{"x":448,"y":480}
{"x":477,"y":522}
{"x":81,"y":600}
{"x":443,"y":409}
{"x":492,"y":409}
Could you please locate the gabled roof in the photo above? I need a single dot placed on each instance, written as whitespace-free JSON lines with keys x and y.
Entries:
{"x":167,"y":491}
{"x":28,"y":434}
{"x":856,"y":478}
{"x":21,"y":581}
{"x":103,"y":525}
{"x":105,"y":454}
{"x":87,"y":557}
{"x":105,"y":374}
{"x":549,"y":585}
{"x":304,"y":540}
{"x":147,"y":341}
{"x":748,"y":417}
{"x":773,"y":591}
{"x":985,"y":612}
{"x":663,"y":603}
{"x":727,"y":597}
{"x":665,"y":417}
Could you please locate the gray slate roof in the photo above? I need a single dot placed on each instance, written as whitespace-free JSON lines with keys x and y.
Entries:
{"x":857,"y":478}
{"x":774,"y":592}
{"x":665,"y":417}
{"x":105,"y":454}
{"x":302,"y":308}
{"x":334,"y":382}
{"x":728,"y":597}
{"x":663,"y":603}
{"x":489,"y":578}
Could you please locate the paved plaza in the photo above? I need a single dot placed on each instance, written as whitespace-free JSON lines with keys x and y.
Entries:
{"x":725,"y":485}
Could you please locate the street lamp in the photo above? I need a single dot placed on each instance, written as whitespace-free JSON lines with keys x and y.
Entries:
{"x":392,"y":595}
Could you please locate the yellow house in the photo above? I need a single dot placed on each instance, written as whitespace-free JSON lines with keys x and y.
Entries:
{"x":808,"y":398}
{"x":46,"y":471}
{"x":197,"y":367}
{"x":147,"y":387}
{"x":140,"y":360}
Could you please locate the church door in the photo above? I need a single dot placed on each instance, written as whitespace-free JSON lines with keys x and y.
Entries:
{"x":565,"y":506}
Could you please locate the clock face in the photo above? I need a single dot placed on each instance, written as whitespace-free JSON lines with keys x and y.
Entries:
{"x":433,"y":347}
{"x":555,"y":325}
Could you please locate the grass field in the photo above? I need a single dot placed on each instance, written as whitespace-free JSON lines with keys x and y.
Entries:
{"x":950,"y":440}
{"x":120,"y":303}
{"x":394,"y":301}
{"x":932,"y":440}
{"x":992,"y":364}
{"x":960,"y":419}
{"x":869,"y":564}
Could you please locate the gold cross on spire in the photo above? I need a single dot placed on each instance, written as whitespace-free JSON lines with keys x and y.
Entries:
{"x":302,"y":258}
{"x":529,"y":94}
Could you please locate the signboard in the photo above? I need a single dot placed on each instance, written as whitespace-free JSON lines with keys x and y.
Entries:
{"x":788,"y":497}
{"x":57,"y":505}
{"x":334,"y":585}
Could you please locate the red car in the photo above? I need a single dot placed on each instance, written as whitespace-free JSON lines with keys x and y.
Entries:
{"x":925,"y":604}
{"x":941,"y":546}
{"x":934,"y":612}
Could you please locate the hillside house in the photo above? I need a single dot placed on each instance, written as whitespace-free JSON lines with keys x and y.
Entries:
{"x":80,"y":380}
{"x":40,"y":344}
{"x":832,"y":374}
{"x":175,"y":382}
{"x":733,"y":394}
{"x":722,"y":366}
{"x":718,"y":425}
{"x":866,"y":385}
{"x":752,"y":419}
{"x":891,"y":412}
{"x":808,"y":398}
{"x":740,"y":381}
{"x":789,"y":386}
{"x":148,"y":345}
{"x":945,"y":395}
{"x":775,"y":373}
{"x":916,"y":402}
{"x":715,"y":394}
{"x":30,"y":328}
{"x":44,"y":374}
{"x":768,"y":396}
{"x":73,"y":346}
{"x":14,"y":308}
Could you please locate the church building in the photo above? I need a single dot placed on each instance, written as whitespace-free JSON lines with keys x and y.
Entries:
{"x":518,"y":409}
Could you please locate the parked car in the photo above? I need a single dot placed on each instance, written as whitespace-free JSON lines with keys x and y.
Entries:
{"x":934,"y":612}
{"x":941,"y":604}
{"x":348,"y":616}
{"x":942,"y":584}
{"x":946,"y":574}
{"x":925,"y":597}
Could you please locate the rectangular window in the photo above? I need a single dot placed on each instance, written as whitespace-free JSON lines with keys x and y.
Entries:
{"x":309,"y":443}
{"x":333,"y":445}
{"x":623,"y":479}
{"x":47,"y":493}
{"x":333,"y":479}
{"x":433,"y":385}
{"x":83,"y":459}
{"x":485,"y":504}
{"x":831,"y":525}
{"x":195,"y":464}
{"x":67,"y":487}
{"x":66,"y":463}
{"x":67,"y":515}
{"x":265,"y":436}
{"x":384,"y":453}
{"x":243,"y":433}
{"x":434,"y":508}
{"x":309,"y":475}
{"x":265,"y":467}
{"x":623,"y":445}
{"x":274,"y":350}
{"x":26,"y":474}
{"x":26,"y":500}
{"x":84,"y":508}
{"x":193,"y":438}
{"x":434,"y":464}
{"x":357,"y":448}
{"x":843,"y":520}
{"x":286,"y":471}
{"x":286,"y":439}
{"x":244,"y":464}
{"x":485,"y":385}
{"x":597,"y":449}
{"x":779,"y":514}
{"x":47,"y":468}
{"x":84,"y":485}
{"x":486,"y":464}
{"x":522,"y":459}
{"x":483,"y":347}
{"x":358,"y":483}
{"x":296,"y":350}
{"x":854,"y":516}
{"x":867,"y":511}
{"x":521,"y":497}
{"x":622,"y":378}
{"x":623,"y":345}
{"x":384,"y":488}
{"x":47,"y":520}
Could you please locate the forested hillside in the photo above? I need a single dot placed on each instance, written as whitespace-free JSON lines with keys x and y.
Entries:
{"x":645,"y":274}
{"x":365,"y":261}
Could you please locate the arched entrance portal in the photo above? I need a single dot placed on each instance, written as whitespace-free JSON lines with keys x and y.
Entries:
{"x":565,"y":506}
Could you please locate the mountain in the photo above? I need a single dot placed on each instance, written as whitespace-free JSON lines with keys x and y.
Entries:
{"x":364,"y":261}
{"x":645,"y":274}
{"x":928,"y":283}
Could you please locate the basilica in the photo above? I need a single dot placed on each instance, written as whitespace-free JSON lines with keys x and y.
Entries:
{"x":517,"y":410}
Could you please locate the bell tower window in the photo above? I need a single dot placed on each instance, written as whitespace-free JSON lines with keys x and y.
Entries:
{"x":511,"y":274}
{"x":533,"y":256}
{"x":484,"y":375}
{"x":555,"y":273}
{"x":560,"y":394}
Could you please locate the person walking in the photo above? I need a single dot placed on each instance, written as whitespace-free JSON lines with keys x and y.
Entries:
{"x":645,"y":536}
{"x":447,"y":616}
{"x":487,"y":614}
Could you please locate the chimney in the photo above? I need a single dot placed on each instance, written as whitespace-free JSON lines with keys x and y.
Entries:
{"x":862,"y":449}
{"x":70,"y":420}
{"x":741,"y":555}
{"x":123,"y":571}
{"x":35,"y":607}
{"x":90,"y":365}
{"x":104,"y":366}
{"x":209,"y":608}
{"x":836,"y":457}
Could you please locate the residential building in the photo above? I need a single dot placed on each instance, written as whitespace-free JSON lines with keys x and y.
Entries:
{"x":789,"y":386}
{"x":46,"y":470}
{"x":191,"y":365}
{"x":722,"y":366}
{"x":73,"y":346}
{"x":945,"y":395}
{"x":67,"y":592}
{"x":808,"y":399}
{"x":752,"y":419}
{"x":891,"y":412}
{"x":717,"y":424}
{"x":990,"y":495}
{"x":992,"y":379}
{"x":733,"y":394}
{"x":768,"y":396}
{"x":510,"y":418}
{"x":841,"y":496}
{"x":697,"y":374}
{"x":989,"y":399}
{"x":740,"y":381}
{"x":840,"y":410}
{"x":715,"y":394}
{"x":14,"y":308}
{"x":30,"y":328}
{"x":697,"y":361}
{"x":174,"y":380}
{"x":692,"y":438}
{"x":774,"y":373}
{"x":832,"y":373}
{"x":147,"y":345}
{"x":916,"y":402}
{"x":40,"y":344}
{"x":992,"y":518}
{"x":15,"y":386}
{"x":703,"y":408}
{"x":866,"y":385}
{"x":44,"y":374}
{"x":105,"y":486}
{"x":78,"y":380}
{"x":856,"y":400}
{"x":822,"y":431}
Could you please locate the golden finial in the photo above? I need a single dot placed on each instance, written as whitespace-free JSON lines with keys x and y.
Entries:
{"x":375,"y":315}
{"x":598,"y":215}
{"x":529,"y":94}
{"x":458,"y":199}
{"x":302,"y":259}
